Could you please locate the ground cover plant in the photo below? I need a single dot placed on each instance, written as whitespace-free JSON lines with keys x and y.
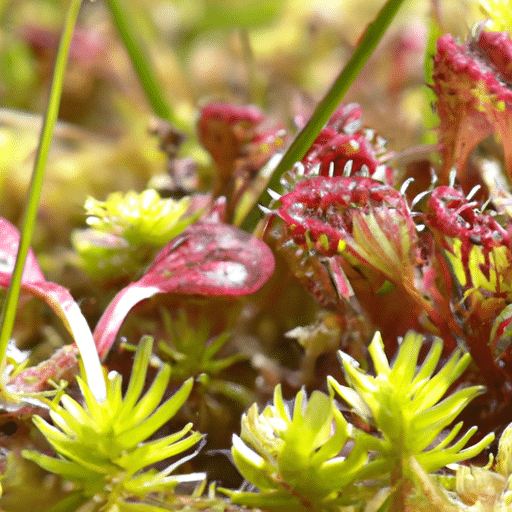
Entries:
{"x":276,"y":276}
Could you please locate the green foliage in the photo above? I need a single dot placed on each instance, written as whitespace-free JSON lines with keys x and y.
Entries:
{"x":292,"y":456}
{"x":403,"y":403}
{"x":102,"y":446}
{"x":193,"y":353}
{"x":127,"y":229}
{"x":298,"y":461}
{"x":189,"y":348}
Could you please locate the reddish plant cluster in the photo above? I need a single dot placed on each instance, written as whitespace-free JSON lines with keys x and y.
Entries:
{"x":240,"y":141}
{"x":472,"y":83}
{"x":442,"y":269}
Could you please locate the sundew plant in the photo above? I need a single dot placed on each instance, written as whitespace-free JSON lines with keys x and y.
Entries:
{"x":257,"y":256}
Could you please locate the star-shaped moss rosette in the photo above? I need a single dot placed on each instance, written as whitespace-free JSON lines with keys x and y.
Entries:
{"x":310,"y":458}
{"x":293,"y":456}
{"x":192,"y":352}
{"x":404,"y":401}
{"x":33,"y":282}
{"x":103,"y":448}
{"x":207,"y":259}
{"x":474,"y":98}
{"x":127,"y":230}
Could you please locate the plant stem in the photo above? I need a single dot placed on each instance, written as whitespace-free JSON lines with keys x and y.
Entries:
{"x":368,"y":41}
{"x":142,"y":64}
{"x":8,"y":314}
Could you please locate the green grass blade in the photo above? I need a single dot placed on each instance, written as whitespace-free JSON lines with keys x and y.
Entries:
{"x":141,"y":62}
{"x":8,"y":314}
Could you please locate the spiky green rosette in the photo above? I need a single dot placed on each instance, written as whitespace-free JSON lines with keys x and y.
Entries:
{"x":127,"y":229}
{"x":101,"y":447}
{"x":403,"y":402}
{"x":312,"y":459}
{"x":292,"y":456}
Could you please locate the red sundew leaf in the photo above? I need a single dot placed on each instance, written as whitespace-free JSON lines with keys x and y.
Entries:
{"x":231,"y":114}
{"x":451,"y":217}
{"x":61,"y":301}
{"x":207,"y":259}
{"x":319,"y":211}
{"x":343,"y":141}
{"x":240,"y":142}
{"x":363,"y":232}
{"x":471,"y":82}
{"x":9,"y":241}
{"x":223,"y":128}
{"x":450,"y":213}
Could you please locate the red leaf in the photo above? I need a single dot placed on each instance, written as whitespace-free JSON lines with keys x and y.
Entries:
{"x":319,"y":211}
{"x":344,"y":141}
{"x":9,"y":241}
{"x":206,"y":259}
{"x":472,"y":83}
{"x":62,"y":302}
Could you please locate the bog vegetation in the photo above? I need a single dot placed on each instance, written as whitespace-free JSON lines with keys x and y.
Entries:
{"x":257,"y":257}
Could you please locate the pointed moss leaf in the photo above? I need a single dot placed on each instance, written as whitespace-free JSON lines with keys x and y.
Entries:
{"x":165,"y":412}
{"x":451,"y":436}
{"x":66,"y":423}
{"x":138,"y":374}
{"x":151,"y":453}
{"x":437,"y":386}
{"x":78,"y":412}
{"x":131,"y":414}
{"x":282,"y":408}
{"x":148,"y":403}
{"x":114,"y":393}
{"x":379,"y":358}
{"x":215,"y":346}
{"x":52,"y":433}
{"x":403,"y":371}
{"x":318,"y":418}
{"x":93,"y":409}
{"x":463,"y":441}
{"x":352,"y":397}
{"x":341,"y":471}
{"x":429,"y":363}
{"x":334,"y":445}
{"x":251,"y":466}
{"x":271,"y":500}
{"x":68,"y":470}
{"x":206,"y":259}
